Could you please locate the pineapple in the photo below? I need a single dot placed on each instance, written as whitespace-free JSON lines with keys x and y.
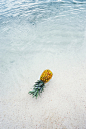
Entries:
{"x":39,"y":85}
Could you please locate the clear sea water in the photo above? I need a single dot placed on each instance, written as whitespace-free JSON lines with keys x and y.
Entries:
{"x":36,"y":35}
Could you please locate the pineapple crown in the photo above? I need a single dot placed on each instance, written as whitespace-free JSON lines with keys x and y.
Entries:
{"x":38,"y":88}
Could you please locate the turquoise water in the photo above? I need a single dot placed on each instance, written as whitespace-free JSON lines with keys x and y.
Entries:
{"x":36,"y":35}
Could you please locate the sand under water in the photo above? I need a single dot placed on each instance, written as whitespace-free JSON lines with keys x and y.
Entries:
{"x":35,"y":36}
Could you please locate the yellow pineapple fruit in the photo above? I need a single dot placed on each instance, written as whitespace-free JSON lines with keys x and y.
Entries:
{"x":39,"y":85}
{"x":46,"y":76}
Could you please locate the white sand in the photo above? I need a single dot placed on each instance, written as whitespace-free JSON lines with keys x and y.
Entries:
{"x":61,"y":105}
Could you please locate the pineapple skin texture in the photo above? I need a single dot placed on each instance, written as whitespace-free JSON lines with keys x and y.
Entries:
{"x":46,"y":76}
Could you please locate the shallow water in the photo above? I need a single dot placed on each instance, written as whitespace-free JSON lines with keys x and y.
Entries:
{"x":34,"y":36}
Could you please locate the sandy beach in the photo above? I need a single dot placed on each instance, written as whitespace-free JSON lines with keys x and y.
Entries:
{"x":35,"y":37}
{"x":62,"y":105}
